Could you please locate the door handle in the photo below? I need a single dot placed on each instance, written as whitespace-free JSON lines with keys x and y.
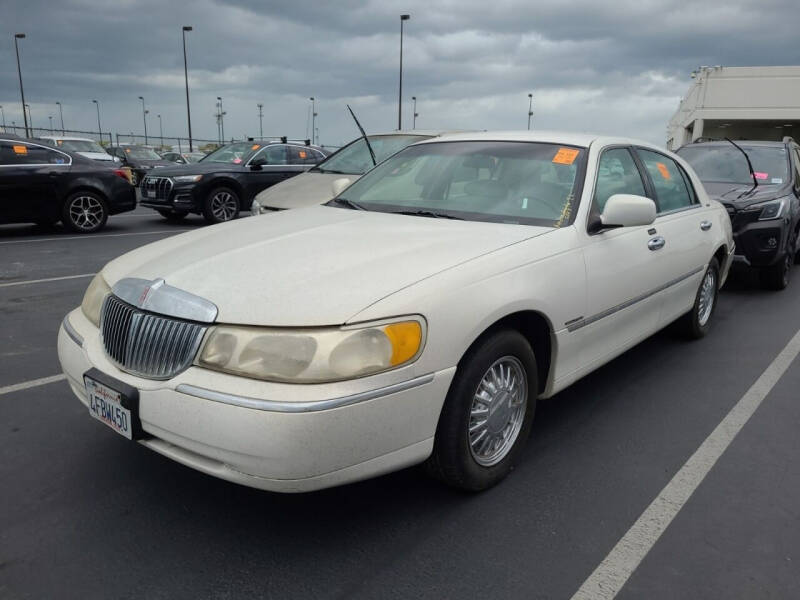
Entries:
{"x":656,"y":243}
{"x":705,"y":225}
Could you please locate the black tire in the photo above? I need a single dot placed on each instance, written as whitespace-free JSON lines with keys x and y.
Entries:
{"x":776,"y":277}
{"x":696,"y":323}
{"x":454,"y":461}
{"x":173,"y":217}
{"x":221,"y":205}
{"x":84,"y":212}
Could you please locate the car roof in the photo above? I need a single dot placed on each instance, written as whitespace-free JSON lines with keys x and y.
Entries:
{"x":66,"y":138}
{"x":551,"y":137}
{"x":767,"y":143}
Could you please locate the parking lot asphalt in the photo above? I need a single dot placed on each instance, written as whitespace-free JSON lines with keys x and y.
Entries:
{"x":85,"y":514}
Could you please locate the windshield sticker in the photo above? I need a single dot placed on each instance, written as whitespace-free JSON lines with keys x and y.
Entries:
{"x":237,"y":160}
{"x":20,"y":149}
{"x":662,"y":168}
{"x":760,"y":175}
{"x":566,"y":156}
{"x":778,"y":180}
{"x":255,"y":147}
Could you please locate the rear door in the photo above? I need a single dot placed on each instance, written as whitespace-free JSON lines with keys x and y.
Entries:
{"x":30,"y":175}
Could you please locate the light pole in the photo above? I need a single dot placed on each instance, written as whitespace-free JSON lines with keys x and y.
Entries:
{"x":61,"y":112}
{"x":414,"y":126}
{"x":400,"y":92}
{"x":313,"y":118}
{"x":186,"y":78}
{"x":160,"y":130}
{"x":221,"y":120}
{"x":260,"y":121}
{"x":21,"y":36}
{"x":30,"y":117}
{"x":51,"y":122}
{"x":99,"y":129}
{"x":530,"y":110}
{"x":3,"y":114}
{"x":144,"y":119}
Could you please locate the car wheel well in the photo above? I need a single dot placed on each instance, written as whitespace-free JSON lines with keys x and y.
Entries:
{"x":86,"y":188}
{"x":535,"y":327}
{"x":721,"y":254}
{"x":229,"y":183}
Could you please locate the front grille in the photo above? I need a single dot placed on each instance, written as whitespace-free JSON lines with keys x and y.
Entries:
{"x":147,"y":344}
{"x":156,"y":188}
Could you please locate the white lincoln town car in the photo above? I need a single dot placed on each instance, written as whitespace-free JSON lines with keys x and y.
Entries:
{"x":416,"y":317}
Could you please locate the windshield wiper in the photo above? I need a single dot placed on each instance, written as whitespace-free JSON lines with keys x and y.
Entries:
{"x":334,"y":171}
{"x":345,"y":203}
{"x":749,"y":166}
{"x":364,"y":135}
{"x":426,"y":213}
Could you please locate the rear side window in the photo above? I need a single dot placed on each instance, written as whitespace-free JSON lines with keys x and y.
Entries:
{"x":669,"y":183}
{"x":616,"y":174}
{"x":303,"y":156}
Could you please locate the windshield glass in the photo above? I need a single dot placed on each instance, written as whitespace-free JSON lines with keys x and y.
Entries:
{"x":193,"y":157}
{"x":354,"y":159}
{"x":725,"y":164}
{"x":507,"y":182}
{"x":141,"y":153}
{"x":80,"y":146}
{"x":235,"y":154}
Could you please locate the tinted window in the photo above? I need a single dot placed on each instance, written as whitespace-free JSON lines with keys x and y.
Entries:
{"x":273,"y":155}
{"x":303,"y":156}
{"x":668,"y":181}
{"x":616,"y":174}
{"x":20,"y":153}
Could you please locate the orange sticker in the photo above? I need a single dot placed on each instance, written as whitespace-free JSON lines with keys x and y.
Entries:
{"x":566,"y":156}
{"x":302,"y":153}
{"x":128,"y":150}
{"x":255,"y":147}
{"x":20,"y":149}
{"x":662,"y":168}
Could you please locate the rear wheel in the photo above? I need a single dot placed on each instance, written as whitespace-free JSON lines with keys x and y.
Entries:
{"x":697,"y":322}
{"x":221,"y":205}
{"x":173,"y":217}
{"x":487,"y":415}
{"x":84,"y":212}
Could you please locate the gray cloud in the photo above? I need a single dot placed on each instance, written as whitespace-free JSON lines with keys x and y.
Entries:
{"x":610,"y":67}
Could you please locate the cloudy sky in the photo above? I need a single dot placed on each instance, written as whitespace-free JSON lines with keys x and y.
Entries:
{"x":597,"y":66}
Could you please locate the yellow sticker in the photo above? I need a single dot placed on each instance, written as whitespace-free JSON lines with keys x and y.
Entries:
{"x":20,"y":149}
{"x":662,"y":168}
{"x":566,"y":156}
{"x":255,"y":147}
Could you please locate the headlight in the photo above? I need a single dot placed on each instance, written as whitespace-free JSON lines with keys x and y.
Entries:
{"x":769,"y":210}
{"x":93,"y":299}
{"x":312,"y":355}
{"x":187,"y":178}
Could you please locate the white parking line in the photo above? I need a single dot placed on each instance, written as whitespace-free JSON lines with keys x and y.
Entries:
{"x":26,"y":282}
{"x":29,"y":384}
{"x":92,"y":236}
{"x":609,"y":577}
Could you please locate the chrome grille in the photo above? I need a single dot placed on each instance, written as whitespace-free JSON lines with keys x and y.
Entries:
{"x":158,"y":188}
{"x":147,"y":344}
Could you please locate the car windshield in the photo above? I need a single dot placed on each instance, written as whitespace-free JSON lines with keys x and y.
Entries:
{"x":141,"y":153}
{"x":354,"y":159}
{"x":80,"y":146}
{"x":234,"y":154}
{"x":193,"y":157}
{"x":507,"y":182}
{"x":726,"y":164}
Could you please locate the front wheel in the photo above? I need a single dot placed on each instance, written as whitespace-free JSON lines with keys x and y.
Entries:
{"x":697,"y":322}
{"x":488,"y":412}
{"x":777,"y":276}
{"x":84,"y":212}
{"x":221,"y":205}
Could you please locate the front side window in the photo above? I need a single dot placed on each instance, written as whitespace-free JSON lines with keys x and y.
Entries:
{"x":271,"y":155}
{"x":507,"y":182}
{"x":355,"y":159}
{"x":617,"y":173}
{"x":233,"y":154}
{"x":672,"y":192}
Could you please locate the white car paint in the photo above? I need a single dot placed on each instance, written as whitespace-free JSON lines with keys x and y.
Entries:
{"x":600,"y":294}
{"x":99,"y":156}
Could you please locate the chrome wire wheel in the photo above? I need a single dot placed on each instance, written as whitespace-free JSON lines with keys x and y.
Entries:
{"x":224,"y":205}
{"x":497,"y":411}
{"x":708,"y":294}
{"x":86,"y":212}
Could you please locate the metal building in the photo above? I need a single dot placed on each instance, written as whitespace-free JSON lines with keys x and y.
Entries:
{"x":755,"y":103}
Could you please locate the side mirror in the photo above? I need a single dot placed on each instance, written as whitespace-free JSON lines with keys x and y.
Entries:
{"x":628,"y":210}
{"x":340,"y":185}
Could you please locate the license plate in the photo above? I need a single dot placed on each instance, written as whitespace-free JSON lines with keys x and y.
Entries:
{"x":150,"y":193}
{"x":105,"y":404}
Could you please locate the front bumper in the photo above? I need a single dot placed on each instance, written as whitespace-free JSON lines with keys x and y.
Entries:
{"x":180,"y":197}
{"x":278,"y":437}
{"x":753,"y":247}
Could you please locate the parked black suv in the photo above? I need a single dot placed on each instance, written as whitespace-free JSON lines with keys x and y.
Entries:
{"x":226,"y":181}
{"x":140,"y":159}
{"x":763,"y":202}
{"x":44,"y":185}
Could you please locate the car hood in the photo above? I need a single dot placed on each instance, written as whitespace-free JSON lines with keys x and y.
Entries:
{"x":306,"y":189}
{"x":137,"y":162}
{"x":741,"y":196}
{"x":200,"y":168}
{"x":313,"y":266}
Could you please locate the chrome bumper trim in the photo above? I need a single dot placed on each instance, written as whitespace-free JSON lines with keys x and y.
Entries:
{"x":73,"y":335}
{"x":302,"y":407}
